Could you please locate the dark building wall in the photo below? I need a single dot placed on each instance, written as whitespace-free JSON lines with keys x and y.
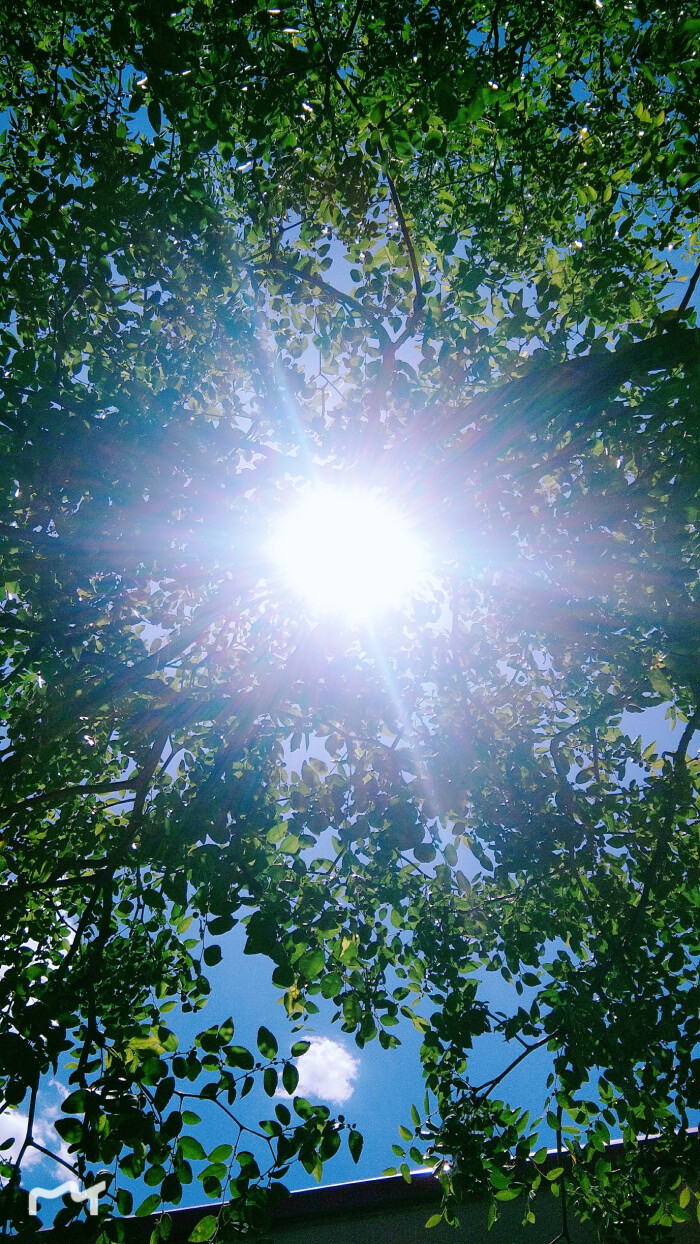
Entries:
{"x":382,"y":1211}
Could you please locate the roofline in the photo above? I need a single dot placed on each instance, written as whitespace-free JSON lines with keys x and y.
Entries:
{"x":384,"y":1191}
{"x":380,"y":1193}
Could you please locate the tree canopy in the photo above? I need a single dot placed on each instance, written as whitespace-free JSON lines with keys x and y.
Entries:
{"x":428,"y":247}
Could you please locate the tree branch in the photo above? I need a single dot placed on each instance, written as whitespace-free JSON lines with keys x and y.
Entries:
{"x":126,"y":679}
{"x":338,"y":295}
{"x":419,"y":298}
{"x":690,"y":290}
{"x":79,"y":932}
{"x":57,"y":796}
{"x":489,"y":1085}
{"x":27,"y":1142}
{"x":678,"y":779}
{"x":50,"y":1154}
{"x":351,"y":28}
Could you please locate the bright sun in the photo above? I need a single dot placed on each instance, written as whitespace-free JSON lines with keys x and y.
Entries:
{"x":348,"y":553}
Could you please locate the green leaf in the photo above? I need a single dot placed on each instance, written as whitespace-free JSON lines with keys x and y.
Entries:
{"x":192,"y":1148}
{"x":149,"y":1205}
{"x":267,"y":1043}
{"x":154,"y":115}
{"x":221,"y":1153}
{"x":425,"y":853}
{"x":290,"y":1078}
{"x":205,"y":1229}
{"x":660,"y":683}
{"x":125,"y":1201}
{"x":74,"y":1103}
{"x":239,"y":1056}
{"x":351,"y":1009}
{"x":331,"y":985}
{"x":500,"y":1179}
{"x":312,"y":963}
{"x":355,"y":1143}
{"x":283,"y":977}
{"x":154,"y":1176}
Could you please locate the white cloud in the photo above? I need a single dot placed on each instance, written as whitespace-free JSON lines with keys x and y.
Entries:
{"x":326,"y":1070}
{"x":62,"y":1089}
{"x":14,"y":1124}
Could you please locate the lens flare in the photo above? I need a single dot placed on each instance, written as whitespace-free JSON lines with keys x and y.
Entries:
{"x":348,"y":553}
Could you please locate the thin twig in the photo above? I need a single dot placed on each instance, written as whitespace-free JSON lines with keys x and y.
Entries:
{"x":50,"y":1154}
{"x":491,"y":1084}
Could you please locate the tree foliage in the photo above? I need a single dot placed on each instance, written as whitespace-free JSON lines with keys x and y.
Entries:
{"x":431,"y":248}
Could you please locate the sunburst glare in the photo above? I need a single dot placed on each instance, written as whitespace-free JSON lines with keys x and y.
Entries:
{"x":347,"y":552}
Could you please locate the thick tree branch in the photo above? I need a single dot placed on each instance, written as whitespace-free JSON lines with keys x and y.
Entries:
{"x":67,"y":792}
{"x":52,"y":883}
{"x":112,"y":689}
{"x":351,"y":28}
{"x":312,"y":278}
{"x":690,"y":290}
{"x":419,"y":297}
{"x":677,"y":795}
{"x":28,"y":1138}
{"x":83,"y":923}
{"x":494,"y":422}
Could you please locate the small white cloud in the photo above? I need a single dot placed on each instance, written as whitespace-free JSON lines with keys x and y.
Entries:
{"x":326,"y":1070}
